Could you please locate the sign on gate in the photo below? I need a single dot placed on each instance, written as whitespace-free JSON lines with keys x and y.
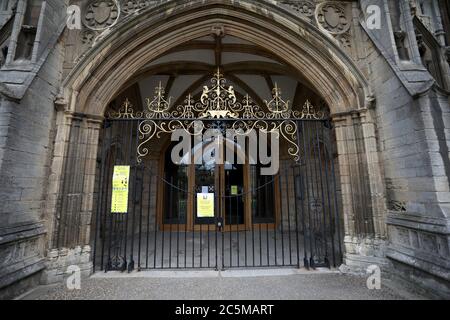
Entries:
{"x":120,"y":188}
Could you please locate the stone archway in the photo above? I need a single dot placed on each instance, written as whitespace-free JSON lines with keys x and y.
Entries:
{"x":131,"y":44}
{"x":124,"y":51}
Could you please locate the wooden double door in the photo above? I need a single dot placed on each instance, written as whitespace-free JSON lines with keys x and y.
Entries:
{"x":228,"y":190}
{"x":239,"y":200}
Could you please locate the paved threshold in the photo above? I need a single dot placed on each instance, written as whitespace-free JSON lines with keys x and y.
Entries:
{"x":234,"y":273}
{"x":265,"y":284}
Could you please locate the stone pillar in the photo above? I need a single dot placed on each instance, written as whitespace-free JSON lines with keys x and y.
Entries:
{"x":377,"y":189}
{"x":345,"y":179}
{"x":71,"y":194}
{"x":362,"y":190}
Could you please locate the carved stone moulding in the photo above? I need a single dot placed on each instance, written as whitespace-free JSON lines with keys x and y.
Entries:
{"x":304,"y":7}
{"x":447,"y":54}
{"x":331,"y":17}
{"x":397,"y":206}
{"x":87,"y":37}
{"x":101,"y":14}
{"x":422,"y":241}
{"x":130,"y":6}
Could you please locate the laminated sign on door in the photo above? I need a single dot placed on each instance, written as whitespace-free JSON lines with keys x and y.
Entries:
{"x":205,"y":205}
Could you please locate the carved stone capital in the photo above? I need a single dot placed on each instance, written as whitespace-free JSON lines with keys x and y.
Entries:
{"x":61,"y":103}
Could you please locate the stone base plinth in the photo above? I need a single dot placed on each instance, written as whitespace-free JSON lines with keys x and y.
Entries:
{"x":59,"y":260}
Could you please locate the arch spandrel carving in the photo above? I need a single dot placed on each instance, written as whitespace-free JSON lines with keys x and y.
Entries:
{"x":139,"y":38}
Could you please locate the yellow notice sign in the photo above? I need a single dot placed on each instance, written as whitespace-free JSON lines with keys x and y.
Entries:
{"x":205,"y":205}
{"x":234,"y":190}
{"x":120,"y":189}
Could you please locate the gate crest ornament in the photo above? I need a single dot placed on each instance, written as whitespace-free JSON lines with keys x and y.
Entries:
{"x":218,"y":104}
{"x":219,"y":101}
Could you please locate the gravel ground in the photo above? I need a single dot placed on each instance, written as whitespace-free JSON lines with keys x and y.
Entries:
{"x":310,"y":286}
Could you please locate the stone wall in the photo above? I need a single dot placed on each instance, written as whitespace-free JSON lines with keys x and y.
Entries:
{"x":412,"y":129}
{"x":26,"y":143}
{"x":398,"y":137}
{"x":27,"y":128}
{"x":6,"y":9}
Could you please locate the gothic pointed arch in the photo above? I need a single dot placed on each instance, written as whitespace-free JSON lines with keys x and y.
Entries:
{"x":131,"y":43}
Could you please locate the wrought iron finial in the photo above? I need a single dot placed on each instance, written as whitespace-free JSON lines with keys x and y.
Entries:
{"x":188,"y":108}
{"x":158,"y":107}
{"x":125,"y":111}
{"x":219,"y":106}
{"x":277,"y":106}
{"x":309,"y":112}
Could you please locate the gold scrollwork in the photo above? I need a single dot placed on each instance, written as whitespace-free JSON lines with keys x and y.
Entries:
{"x":149,"y":129}
{"x":218,"y":102}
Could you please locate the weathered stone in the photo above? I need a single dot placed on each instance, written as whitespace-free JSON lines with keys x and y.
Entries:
{"x":390,"y":113}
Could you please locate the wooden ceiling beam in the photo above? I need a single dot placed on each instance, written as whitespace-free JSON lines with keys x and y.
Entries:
{"x":226,"y":47}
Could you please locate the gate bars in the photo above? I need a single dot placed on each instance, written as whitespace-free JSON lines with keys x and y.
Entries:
{"x":305,"y":220}
{"x":306,"y":231}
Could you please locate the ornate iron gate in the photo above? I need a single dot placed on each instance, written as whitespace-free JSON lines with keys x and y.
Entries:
{"x":291,"y":219}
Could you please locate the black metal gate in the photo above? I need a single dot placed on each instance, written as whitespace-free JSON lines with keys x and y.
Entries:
{"x":304,"y":232}
{"x":290,"y":219}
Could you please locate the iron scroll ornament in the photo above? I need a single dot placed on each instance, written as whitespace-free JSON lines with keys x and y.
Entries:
{"x":218,"y":103}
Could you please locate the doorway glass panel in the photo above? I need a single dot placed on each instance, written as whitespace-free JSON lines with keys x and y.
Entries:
{"x":175,"y":192}
{"x":206,"y":181}
{"x":263,"y":196}
{"x":234,"y":190}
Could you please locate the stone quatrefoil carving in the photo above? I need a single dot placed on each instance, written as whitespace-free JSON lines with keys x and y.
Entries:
{"x":331,"y":17}
{"x":101,"y":14}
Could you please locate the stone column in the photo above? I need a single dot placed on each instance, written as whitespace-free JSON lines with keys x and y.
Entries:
{"x":362,"y":189}
{"x":377,"y":189}
{"x":344,"y":177}
{"x":71,"y":194}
